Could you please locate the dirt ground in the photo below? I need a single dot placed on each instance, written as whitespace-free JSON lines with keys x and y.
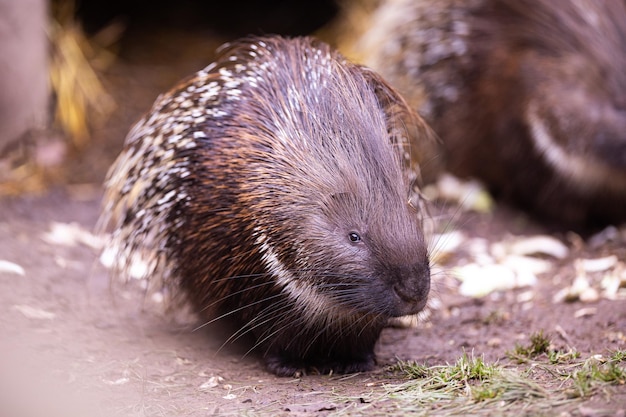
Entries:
{"x":71,"y":345}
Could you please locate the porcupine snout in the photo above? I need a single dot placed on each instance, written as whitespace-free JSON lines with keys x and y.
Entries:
{"x":410,"y":285}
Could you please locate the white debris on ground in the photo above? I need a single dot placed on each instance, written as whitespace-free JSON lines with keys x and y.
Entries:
{"x":8,"y":267}
{"x":210,"y":383}
{"x":517,"y":261}
{"x":513,"y":263}
{"x":470,"y":195}
{"x":609,"y":272}
{"x":71,"y":234}
{"x":34,"y":312}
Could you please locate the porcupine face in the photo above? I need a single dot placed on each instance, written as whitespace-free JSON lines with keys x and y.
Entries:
{"x":379,"y":264}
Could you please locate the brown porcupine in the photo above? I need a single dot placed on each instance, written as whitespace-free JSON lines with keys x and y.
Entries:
{"x":273,"y":188}
{"x":528,"y":95}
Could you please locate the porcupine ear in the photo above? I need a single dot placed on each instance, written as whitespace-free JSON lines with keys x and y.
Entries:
{"x":419,"y":146}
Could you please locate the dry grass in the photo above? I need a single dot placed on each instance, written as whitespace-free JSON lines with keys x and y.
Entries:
{"x":81,"y":100}
{"x":472,"y":387}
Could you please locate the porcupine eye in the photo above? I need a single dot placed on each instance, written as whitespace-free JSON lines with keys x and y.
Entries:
{"x":354,"y":237}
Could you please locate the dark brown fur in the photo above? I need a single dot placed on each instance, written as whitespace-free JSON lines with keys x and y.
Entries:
{"x":254,"y":177}
{"x":497,"y":77}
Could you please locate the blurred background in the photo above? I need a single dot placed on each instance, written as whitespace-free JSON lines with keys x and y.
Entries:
{"x":75,"y":75}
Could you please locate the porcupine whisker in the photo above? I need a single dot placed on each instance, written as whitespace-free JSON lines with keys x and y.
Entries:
{"x":372,"y":319}
{"x":346,"y":304}
{"x":250,"y":288}
{"x":340,"y":331}
{"x":261,"y":339}
{"x":344,"y":297}
{"x":363,"y":307}
{"x":244,"y":276}
{"x":337,"y":290}
{"x":272,"y":308}
{"x":256,"y":322}
{"x":303,"y":271}
{"x":261,"y":319}
{"x":268,"y":337}
{"x":433,"y":246}
{"x":346,"y":324}
{"x":431,"y":159}
{"x":437,"y":284}
{"x":220,"y":300}
{"x":238,"y":309}
{"x":302,"y":330}
{"x":313,"y":340}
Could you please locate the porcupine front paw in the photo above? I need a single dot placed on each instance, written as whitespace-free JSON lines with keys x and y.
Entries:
{"x":284,"y":365}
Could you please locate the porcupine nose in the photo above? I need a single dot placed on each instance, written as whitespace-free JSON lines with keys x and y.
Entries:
{"x":411,"y":288}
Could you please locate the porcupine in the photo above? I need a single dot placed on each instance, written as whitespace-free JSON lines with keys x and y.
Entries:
{"x":274,"y":189}
{"x":529,"y":96}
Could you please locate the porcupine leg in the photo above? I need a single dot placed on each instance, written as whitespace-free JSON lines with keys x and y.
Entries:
{"x":347,"y":358}
{"x":283,"y":366}
{"x":286,"y":366}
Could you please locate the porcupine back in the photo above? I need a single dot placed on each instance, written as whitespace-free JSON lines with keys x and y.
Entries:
{"x":529,"y":96}
{"x":237,"y":184}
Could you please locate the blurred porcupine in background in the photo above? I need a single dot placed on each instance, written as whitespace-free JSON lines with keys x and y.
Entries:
{"x":527,"y":95}
{"x":275,"y":189}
